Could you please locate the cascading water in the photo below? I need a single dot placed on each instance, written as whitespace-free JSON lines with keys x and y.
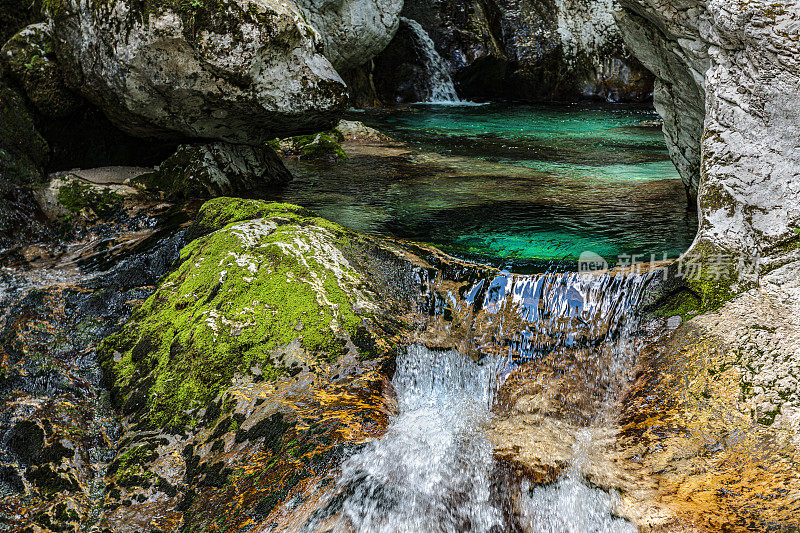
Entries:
{"x":433,"y":469}
{"x":440,"y":85}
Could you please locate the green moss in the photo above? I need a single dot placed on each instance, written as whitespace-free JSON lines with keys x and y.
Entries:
{"x":130,"y":467}
{"x":76,"y":196}
{"x":220,"y":212}
{"x":683,"y":303}
{"x":317,"y":145}
{"x":239,"y":298}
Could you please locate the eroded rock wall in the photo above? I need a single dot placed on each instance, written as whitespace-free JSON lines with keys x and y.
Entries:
{"x":728,"y":76}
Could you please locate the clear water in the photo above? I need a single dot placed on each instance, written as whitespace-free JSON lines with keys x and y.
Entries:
{"x":523,"y":187}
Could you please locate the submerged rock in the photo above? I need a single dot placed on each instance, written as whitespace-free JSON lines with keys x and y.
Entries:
{"x":218,"y":169}
{"x":241,"y":71}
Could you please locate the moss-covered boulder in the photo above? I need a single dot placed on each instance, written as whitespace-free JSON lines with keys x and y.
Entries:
{"x":321,"y":145}
{"x":248,"y":298}
{"x":258,"y":360}
{"x":218,"y":169}
{"x":30,"y":59}
{"x":23,"y":152}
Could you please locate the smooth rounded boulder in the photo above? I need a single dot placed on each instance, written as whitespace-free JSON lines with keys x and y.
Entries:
{"x":241,"y":71}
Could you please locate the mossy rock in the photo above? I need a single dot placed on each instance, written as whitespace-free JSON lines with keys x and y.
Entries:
{"x":30,"y":59}
{"x":322,"y":145}
{"x":76,"y":196}
{"x":217,"y":169}
{"x":23,"y":151}
{"x":703,"y":280}
{"x":253,"y":293}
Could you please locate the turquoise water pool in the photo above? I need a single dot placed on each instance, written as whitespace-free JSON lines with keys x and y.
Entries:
{"x":528,"y":188}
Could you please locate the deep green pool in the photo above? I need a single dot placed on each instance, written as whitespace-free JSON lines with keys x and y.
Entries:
{"x":523,"y":187}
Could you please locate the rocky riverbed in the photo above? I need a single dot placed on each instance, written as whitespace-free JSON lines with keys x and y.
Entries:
{"x":182,"y":348}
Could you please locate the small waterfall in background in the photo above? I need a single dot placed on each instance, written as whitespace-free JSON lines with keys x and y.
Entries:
{"x":440,"y":84}
{"x":434,"y":468}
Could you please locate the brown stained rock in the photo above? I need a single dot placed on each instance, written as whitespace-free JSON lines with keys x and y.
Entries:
{"x":712,"y":419}
{"x":703,"y":438}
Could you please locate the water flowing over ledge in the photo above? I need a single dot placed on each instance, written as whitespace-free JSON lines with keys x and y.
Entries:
{"x":435,"y":468}
{"x":441,"y":89}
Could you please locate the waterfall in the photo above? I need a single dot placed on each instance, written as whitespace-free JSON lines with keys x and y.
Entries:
{"x":431,"y":470}
{"x":440,"y":84}
{"x":434,"y":469}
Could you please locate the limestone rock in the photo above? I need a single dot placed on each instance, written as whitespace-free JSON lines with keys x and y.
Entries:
{"x":218,"y":169}
{"x":353,"y":31}
{"x":241,"y":71}
{"x":728,"y":76}
{"x":30,"y":59}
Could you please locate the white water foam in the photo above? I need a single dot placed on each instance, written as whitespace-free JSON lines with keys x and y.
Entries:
{"x":433,"y":469}
{"x":430,"y":471}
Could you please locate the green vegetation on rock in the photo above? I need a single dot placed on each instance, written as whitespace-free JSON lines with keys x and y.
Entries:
{"x":262,"y":295}
{"x":317,"y":145}
{"x":23,"y":151}
{"x":30,"y":59}
{"x":76,"y":196}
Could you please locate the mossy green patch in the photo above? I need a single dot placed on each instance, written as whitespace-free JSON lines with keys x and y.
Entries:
{"x":246,"y":296}
{"x":130,"y":468}
{"x":325,"y":144}
{"x":76,"y":196}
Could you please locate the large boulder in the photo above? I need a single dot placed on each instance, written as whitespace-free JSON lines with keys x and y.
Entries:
{"x":728,"y":76}
{"x":241,"y":71}
{"x":353,"y":31}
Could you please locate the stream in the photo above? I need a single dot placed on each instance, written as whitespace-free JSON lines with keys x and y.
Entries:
{"x":524,"y":189}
